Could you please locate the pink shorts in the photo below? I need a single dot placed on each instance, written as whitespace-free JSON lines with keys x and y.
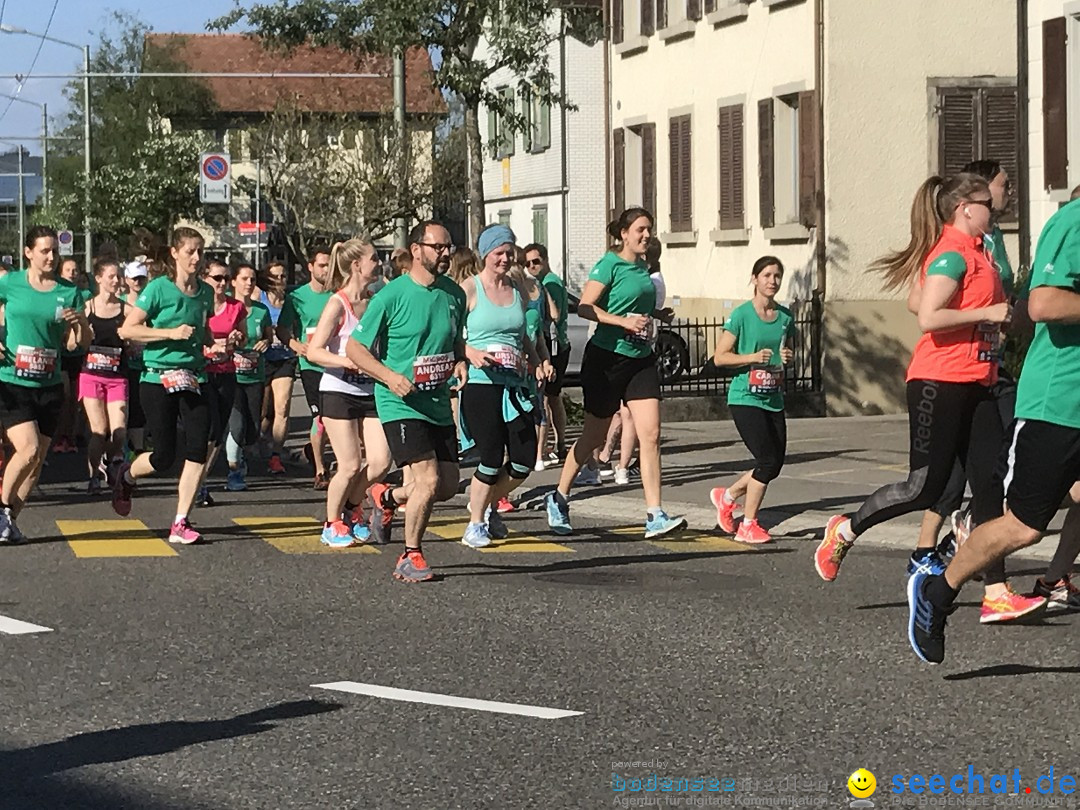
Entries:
{"x":98,"y":386}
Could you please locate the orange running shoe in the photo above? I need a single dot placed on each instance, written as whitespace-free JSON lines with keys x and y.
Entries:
{"x":275,"y":465}
{"x":725,"y":512}
{"x":1009,"y":606}
{"x":412,"y":567}
{"x":750,"y":531}
{"x":831,"y":552}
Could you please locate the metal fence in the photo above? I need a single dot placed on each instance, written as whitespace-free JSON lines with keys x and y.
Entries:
{"x":685,"y":349}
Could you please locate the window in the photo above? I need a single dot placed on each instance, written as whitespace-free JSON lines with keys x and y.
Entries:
{"x":537,"y":116}
{"x":732,"y":213}
{"x":504,"y":218}
{"x":500,"y":136}
{"x":634,"y":170}
{"x":680,"y":168}
{"x":673,"y":12}
{"x":333,"y":140}
{"x":787,"y":154}
{"x":638,"y":17}
{"x":540,"y":224}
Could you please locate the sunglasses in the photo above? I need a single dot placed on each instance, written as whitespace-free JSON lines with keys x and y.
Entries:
{"x":988,"y":203}
{"x":534,"y":263}
{"x":218,"y":279}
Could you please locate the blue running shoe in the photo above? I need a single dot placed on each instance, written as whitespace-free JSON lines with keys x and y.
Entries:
{"x":203,"y":498}
{"x":926,"y":622}
{"x":662,"y":524}
{"x":558,"y":514}
{"x":932,"y":562}
{"x":476,"y":536}
{"x":337,"y":535}
{"x":234,"y":482}
{"x":496,"y":526}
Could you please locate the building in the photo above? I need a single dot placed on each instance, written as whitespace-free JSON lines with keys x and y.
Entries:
{"x":804,"y":133}
{"x":548,"y":183}
{"x":32,"y":187}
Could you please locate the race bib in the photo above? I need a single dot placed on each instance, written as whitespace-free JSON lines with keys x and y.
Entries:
{"x":217,"y":354}
{"x":988,"y":342}
{"x":432,"y":370}
{"x":179,"y":380}
{"x":246,"y":361}
{"x":765,"y":379}
{"x":509,"y":358}
{"x":645,"y":336}
{"x":103,"y":359}
{"x":33,"y":363}
{"x":356,"y":378}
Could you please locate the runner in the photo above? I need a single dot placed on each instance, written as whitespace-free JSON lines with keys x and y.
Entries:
{"x":280,"y":370}
{"x":171,"y":317}
{"x":1044,"y":451}
{"x":416,"y":320}
{"x":536,"y":263}
{"x":497,"y":406}
{"x":463,"y":264}
{"x":620,"y":366}
{"x":301,"y":312}
{"x":243,"y":427}
{"x":103,"y":384}
{"x":347,"y":404}
{"x":71,"y":362}
{"x":43,"y":315}
{"x":951,"y":406}
{"x":756,"y":336}
{"x":135,"y":275}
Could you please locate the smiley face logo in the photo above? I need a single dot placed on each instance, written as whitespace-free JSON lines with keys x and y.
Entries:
{"x":862,"y":784}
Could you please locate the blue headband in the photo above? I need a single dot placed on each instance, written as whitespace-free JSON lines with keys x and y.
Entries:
{"x":494,"y":236}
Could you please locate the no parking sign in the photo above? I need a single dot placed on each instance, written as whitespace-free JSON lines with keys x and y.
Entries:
{"x":215,"y":181}
{"x":67,"y":243}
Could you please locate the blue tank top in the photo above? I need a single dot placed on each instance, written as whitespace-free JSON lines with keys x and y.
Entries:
{"x":277,"y":350}
{"x":500,"y":331}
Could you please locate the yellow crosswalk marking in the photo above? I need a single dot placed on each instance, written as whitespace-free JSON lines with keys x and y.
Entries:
{"x":113,"y":538}
{"x":295,"y":535}
{"x":515,"y":543}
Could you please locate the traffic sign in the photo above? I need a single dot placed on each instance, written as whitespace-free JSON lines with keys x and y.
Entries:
{"x":67,"y":243}
{"x":215,"y":181}
{"x":249,"y":228}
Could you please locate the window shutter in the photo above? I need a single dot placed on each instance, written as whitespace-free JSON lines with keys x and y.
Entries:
{"x":766,"y":169}
{"x":730,"y":139}
{"x":493,"y":133}
{"x":648,"y":167}
{"x":661,"y":14}
{"x":957,"y":109}
{"x":1055,"y":105}
{"x":1001,"y":132}
{"x":685,"y":170}
{"x":545,"y":127}
{"x":693,"y":9}
{"x":648,"y":18}
{"x":808,"y":150}
{"x":710,"y":6}
{"x":616,"y":21}
{"x":680,"y":162}
{"x":674,"y":176}
{"x":618,"y":145}
{"x":529,"y":141}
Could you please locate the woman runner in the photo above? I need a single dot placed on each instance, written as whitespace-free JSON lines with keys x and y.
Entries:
{"x":136,"y":276}
{"x":280,"y":370}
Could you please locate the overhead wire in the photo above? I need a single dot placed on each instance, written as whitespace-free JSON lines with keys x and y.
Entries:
{"x":37,"y":53}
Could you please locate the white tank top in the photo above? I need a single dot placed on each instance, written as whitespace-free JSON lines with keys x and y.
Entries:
{"x":343,"y":380}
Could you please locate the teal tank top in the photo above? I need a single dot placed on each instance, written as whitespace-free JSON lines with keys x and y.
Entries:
{"x":500,"y":331}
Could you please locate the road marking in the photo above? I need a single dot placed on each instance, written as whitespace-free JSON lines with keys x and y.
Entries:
{"x":686,"y":540}
{"x":411,"y":696}
{"x":295,"y":535}
{"x":824,"y":473}
{"x":113,"y":538}
{"x":514,"y":544}
{"x":13,"y":627}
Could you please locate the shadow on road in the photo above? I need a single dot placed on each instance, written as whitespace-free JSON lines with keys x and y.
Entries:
{"x":1009,"y":669}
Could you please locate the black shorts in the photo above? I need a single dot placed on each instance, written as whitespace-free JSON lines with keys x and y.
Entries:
{"x":71,"y":364}
{"x":21,"y":403}
{"x":1044,"y":463}
{"x":412,"y":439}
{"x":136,"y":414}
{"x":310,"y":379}
{"x":276,"y":369}
{"x":339,"y":405}
{"x":559,"y":361}
{"x":609,"y":379}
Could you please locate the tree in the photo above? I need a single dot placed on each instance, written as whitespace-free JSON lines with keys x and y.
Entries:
{"x":518,"y":33}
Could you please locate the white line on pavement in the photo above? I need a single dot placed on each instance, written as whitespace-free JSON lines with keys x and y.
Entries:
{"x":411,"y":696}
{"x":13,"y":627}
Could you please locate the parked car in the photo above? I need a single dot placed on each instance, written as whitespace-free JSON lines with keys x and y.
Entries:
{"x":680,"y":346}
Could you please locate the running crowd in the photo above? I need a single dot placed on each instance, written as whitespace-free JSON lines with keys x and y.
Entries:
{"x":455,"y":351}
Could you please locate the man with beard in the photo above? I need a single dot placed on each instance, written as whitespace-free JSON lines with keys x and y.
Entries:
{"x":410,"y":342}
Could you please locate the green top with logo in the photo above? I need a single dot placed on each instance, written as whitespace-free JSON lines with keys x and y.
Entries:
{"x":557,"y":290}
{"x":1049,"y":387}
{"x":628,"y":290}
{"x":301,"y":311}
{"x":35,"y":330}
{"x":417,"y":329}
{"x":250,"y":364}
{"x":166,"y":308}
{"x":759,"y":386}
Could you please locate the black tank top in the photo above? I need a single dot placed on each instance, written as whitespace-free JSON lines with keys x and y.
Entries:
{"x":106,"y":348}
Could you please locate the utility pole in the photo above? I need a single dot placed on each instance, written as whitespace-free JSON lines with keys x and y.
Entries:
{"x":86,"y":159}
{"x":258,"y":216}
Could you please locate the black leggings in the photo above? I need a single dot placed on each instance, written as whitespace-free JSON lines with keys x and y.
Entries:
{"x":246,"y":413}
{"x":947,"y":421}
{"x":482,"y":412}
{"x":220,"y":394}
{"x":765,"y":435}
{"x":162,"y":411}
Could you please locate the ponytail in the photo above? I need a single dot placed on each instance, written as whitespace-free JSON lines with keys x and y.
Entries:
{"x":342,"y":255}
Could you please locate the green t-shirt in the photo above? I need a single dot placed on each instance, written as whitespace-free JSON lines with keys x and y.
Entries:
{"x":166,"y":307}
{"x":302,"y":310}
{"x":557,"y":290}
{"x":84,"y":296}
{"x":1049,"y":387}
{"x":758,"y":386}
{"x":628,"y":291}
{"x":35,"y":334}
{"x":258,"y":319}
{"x":417,"y":329}
{"x":995,"y":243}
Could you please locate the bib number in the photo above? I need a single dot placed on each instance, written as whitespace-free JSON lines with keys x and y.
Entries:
{"x":246,"y":362}
{"x":988,"y":343}
{"x":508,"y":358}
{"x":180,"y":380}
{"x":765,"y":379}
{"x":217,"y":354}
{"x":104,"y":359}
{"x":33,"y":363}
{"x":432,"y":370}
{"x":646,"y":336}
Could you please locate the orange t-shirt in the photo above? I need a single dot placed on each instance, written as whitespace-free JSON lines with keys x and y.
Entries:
{"x":967,"y":353}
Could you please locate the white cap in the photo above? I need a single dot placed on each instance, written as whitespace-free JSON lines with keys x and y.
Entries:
{"x":135,"y":270}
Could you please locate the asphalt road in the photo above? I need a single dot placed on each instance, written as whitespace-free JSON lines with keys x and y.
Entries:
{"x":191,"y":680}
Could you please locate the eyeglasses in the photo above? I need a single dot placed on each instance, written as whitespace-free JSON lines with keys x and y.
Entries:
{"x":534,"y":263}
{"x":276,"y":277}
{"x":438,"y":247}
{"x":988,"y":203}
{"x":218,"y":279}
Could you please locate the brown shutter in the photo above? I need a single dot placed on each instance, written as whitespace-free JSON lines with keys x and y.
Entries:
{"x":766,"y":180}
{"x":957,"y":130}
{"x":648,"y":18}
{"x":1055,"y":105}
{"x":693,"y":9}
{"x":616,"y":21}
{"x":674,"y":175}
{"x":685,"y":170}
{"x":661,"y":14}
{"x":648,"y":167}
{"x":730,"y":138}
{"x":808,"y":150}
{"x":1001,"y":132}
{"x":710,"y":6}
{"x":618,"y":138}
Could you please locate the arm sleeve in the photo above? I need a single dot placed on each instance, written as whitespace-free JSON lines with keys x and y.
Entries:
{"x":372,"y":323}
{"x":950,"y":264}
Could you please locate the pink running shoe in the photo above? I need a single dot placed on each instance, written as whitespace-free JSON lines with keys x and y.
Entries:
{"x":832,"y":550}
{"x":183,"y":533}
{"x":750,"y":531}
{"x":504,"y":506}
{"x":725,"y":512}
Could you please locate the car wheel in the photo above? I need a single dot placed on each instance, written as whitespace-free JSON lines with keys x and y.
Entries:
{"x":672,"y":357}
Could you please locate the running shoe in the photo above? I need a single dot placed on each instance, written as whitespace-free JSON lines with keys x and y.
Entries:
{"x":7,"y":523}
{"x":558,"y":514}
{"x":111,"y":470}
{"x":539,"y":467}
{"x":725,"y":512}
{"x":622,"y":476}
{"x":322,"y":482}
{"x":504,"y":505}
{"x":337,"y":535}
{"x":1062,"y":595}
{"x":381,"y":517}
{"x":946,"y":548}
{"x":93,"y":486}
{"x":606,"y":472}
{"x":183,"y":533}
{"x":661,"y":523}
{"x":122,"y":491}
{"x":234,"y":481}
{"x":587,"y":476}
{"x":495,"y":525}
{"x":357,"y":524}
{"x":204,"y":498}
{"x":477,"y":535}
{"x":932,"y":562}
{"x":926,"y":622}
{"x":71,"y":446}
{"x":275,"y":465}
{"x":831,"y":552}
{"x":750,"y":531}
{"x":1009,"y":607}
{"x":412,"y":567}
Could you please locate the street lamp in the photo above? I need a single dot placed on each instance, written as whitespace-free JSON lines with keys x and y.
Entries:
{"x":13,"y":29}
{"x":44,"y":142}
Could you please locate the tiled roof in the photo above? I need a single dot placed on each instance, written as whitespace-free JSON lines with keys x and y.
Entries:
{"x":244,"y":53}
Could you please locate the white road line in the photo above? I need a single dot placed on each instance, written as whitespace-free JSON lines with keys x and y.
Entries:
{"x":411,"y":696}
{"x":13,"y":627}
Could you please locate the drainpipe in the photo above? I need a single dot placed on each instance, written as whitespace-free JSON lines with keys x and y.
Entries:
{"x":562,"y":149}
{"x":607,"y":116}
{"x":819,"y":85}
{"x":1023,"y":181}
